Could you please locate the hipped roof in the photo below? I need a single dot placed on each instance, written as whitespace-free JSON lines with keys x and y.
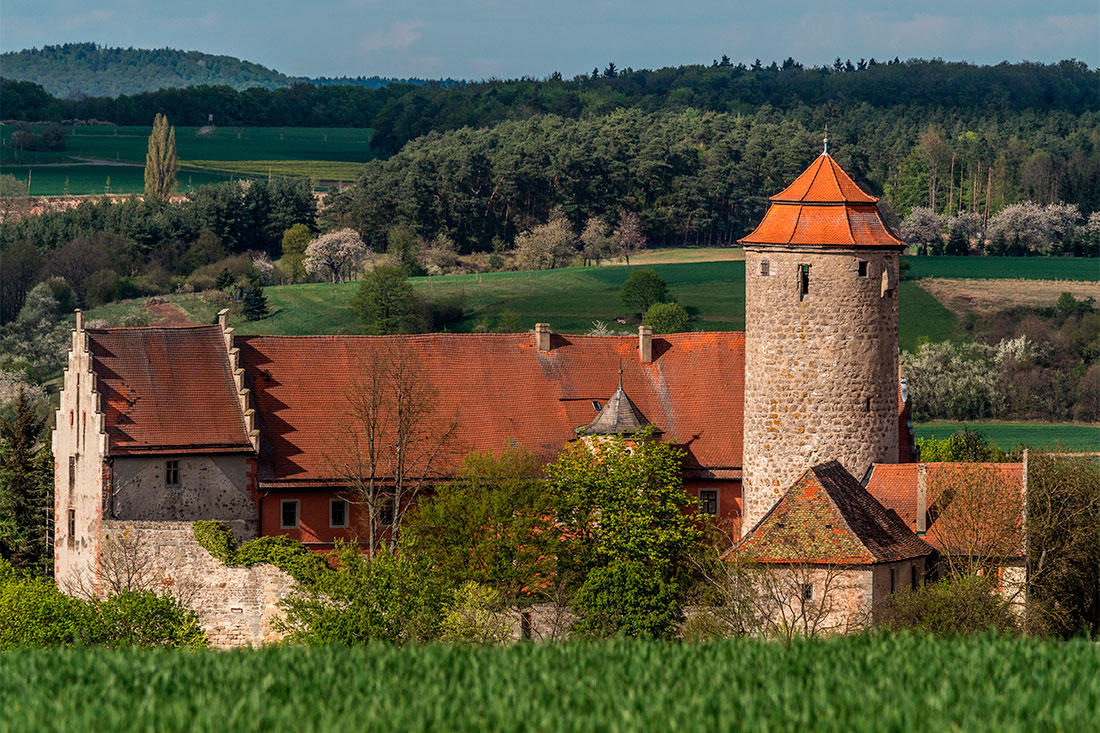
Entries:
{"x":828,"y":517}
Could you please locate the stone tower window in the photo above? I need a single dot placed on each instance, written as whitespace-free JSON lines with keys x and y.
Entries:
{"x":862,"y":267}
{"x":803,"y":281}
{"x":72,"y":472}
{"x":171,"y":473}
{"x":765,"y":268}
{"x":866,"y":404}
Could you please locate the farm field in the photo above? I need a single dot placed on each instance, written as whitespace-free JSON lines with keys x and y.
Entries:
{"x":853,"y":684}
{"x":1008,"y":435}
{"x":569,"y":299}
{"x":327,"y":154}
{"x":992,"y":295}
{"x":1025,"y":268}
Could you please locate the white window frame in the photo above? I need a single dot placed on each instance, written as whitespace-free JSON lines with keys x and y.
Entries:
{"x":297,"y":513}
{"x":347,"y":514}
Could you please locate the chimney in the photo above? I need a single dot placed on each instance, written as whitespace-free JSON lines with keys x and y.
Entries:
{"x":79,"y":320}
{"x":922,"y":499}
{"x":645,"y":344}
{"x":542,"y":336}
{"x":223,"y":319}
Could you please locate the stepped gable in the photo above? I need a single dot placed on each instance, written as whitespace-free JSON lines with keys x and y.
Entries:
{"x":166,"y":390}
{"x":500,"y":389}
{"x":619,"y":416}
{"x":823,"y":206}
{"x":896,"y":487}
{"x":827,"y":517}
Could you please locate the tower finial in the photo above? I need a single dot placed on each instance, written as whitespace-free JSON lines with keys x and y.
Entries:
{"x":826,"y":150}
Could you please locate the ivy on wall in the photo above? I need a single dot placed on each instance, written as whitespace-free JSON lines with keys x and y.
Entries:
{"x":290,"y":556}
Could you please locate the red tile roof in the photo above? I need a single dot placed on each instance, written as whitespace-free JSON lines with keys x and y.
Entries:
{"x":823,"y":206}
{"x":499,"y":388}
{"x":895,"y":487}
{"x":166,"y":390}
{"x":827,"y":517}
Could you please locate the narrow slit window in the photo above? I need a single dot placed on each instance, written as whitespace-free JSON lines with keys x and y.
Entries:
{"x":862,"y":268}
{"x":803,"y":281}
{"x":893,"y":579}
{"x":765,"y":268}
{"x":72,"y":472}
{"x":171,"y":473}
{"x":866,"y":404}
{"x":915,"y":579}
{"x":288,"y":510}
{"x":72,"y":525}
{"x":807,"y":591}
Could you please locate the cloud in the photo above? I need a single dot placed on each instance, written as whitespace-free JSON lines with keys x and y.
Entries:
{"x":400,"y":34}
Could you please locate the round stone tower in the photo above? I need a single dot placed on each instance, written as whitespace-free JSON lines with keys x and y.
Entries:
{"x":821,"y":336}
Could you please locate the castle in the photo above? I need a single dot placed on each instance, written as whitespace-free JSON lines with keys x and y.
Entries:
{"x":158,"y":427}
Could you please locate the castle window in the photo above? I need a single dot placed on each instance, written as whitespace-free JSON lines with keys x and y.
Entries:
{"x":893,"y":579}
{"x":765,"y":268}
{"x":288,"y":514}
{"x":866,"y":404}
{"x":708,"y":503}
{"x":385,"y":514}
{"x":171,"y":473}
{"x":803,"y":281}
{"x":807,"y":591}
{"x":72,"y":472}
{"x":914,"y":580}
{"x":337,"y":513}
{"x":863,"y":268}
{"x":72,"y":526}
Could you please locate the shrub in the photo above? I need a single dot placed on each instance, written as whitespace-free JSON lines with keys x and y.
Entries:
{"x":289,"y":555}
{"x":144,"y":619}
{"x":626,"y":598}
{"x":962,"y":445}
{"x":642,"y":289}
{"x":667,"y":318}
{"x":477,"y":616}
{"x":950,"y":607}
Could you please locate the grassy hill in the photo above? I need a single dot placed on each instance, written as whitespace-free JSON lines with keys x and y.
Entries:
{"x":94,"y":70}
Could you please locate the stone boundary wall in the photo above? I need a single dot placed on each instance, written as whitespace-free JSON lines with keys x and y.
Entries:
{"x":236,"y":606}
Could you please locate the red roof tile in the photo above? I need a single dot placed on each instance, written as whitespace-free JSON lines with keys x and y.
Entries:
{"x":823,"y":207}
{"x":166,"y":389}
{"x":895,"y":487}
{"x":827,"y":517}
{"x":499,"y":388}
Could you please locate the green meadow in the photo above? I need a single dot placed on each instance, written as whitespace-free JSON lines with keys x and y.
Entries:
{"x":846,"y":684}
{"x":322,"y":154}
{"x":1009,"y":435}
{"x":1024,"y":268}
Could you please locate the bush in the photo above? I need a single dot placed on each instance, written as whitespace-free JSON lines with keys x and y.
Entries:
{"x":951,"y":607}
{"x":642,"y":289}
{"x":291,"y":556}
{"x":477,"y":616}
{"x":962,"y":445}
{"x":627,"y":598}
{"x":667,"y":318}
{"x":144,"y":619}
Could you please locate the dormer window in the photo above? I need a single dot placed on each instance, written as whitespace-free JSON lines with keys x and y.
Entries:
{"x":596,"y":405}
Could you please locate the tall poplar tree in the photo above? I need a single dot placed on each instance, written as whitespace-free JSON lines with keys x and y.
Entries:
{"x":161,"y":163}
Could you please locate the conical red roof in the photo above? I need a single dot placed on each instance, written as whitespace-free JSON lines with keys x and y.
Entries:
{"x":823,"y":206}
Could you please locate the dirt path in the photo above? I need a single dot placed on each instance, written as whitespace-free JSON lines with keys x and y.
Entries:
{"x":169,"y":315}
{"x":990,"y":296}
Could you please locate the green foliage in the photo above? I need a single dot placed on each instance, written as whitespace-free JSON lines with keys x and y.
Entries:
{"x":1063,"y":495}
{"x":491,"y":527}
{"x":26,"y":487}
{"x":385,"y":303}
{"x":392,"y":598}
{"x":621,"y":507}
{"x":34,"y":613}
{"x":253,"y":302}
{"x":843,"y":685}
{"x":962,"y":445}
{"x":1016,"y":434}
{"x":627,"y":598}
{"x":291,"y":556}
{"x":959,"y":605}
{"x":667,"y":318}
{"x":161,"y":163}
{"x":642,"y":289}
{"x":403,"y":247}
{"x":478,"y":616}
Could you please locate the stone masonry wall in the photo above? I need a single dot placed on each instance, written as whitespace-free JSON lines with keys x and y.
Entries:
{"x":236,"y":606}
{"x":821,"y":371}
{"x":210,"y":487}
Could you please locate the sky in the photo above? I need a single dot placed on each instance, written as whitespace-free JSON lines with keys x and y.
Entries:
{"x":476,"y":39}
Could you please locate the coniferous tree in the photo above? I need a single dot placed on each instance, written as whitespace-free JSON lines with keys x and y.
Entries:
{"x":254,"y":302}
{"x":26,"y":478}
{"x":161,"y":163}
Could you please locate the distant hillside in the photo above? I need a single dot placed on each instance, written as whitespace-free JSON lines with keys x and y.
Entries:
{"x":95,"y":71}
